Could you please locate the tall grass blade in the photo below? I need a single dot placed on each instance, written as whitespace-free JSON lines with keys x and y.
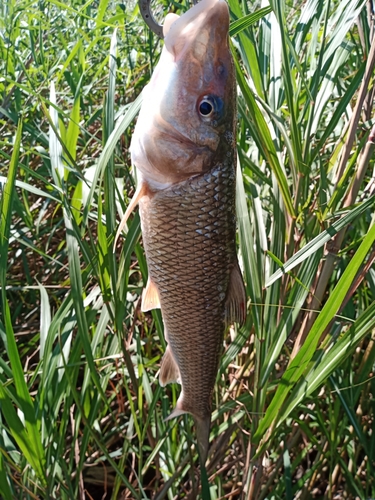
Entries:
{"x":26,"y":435}
{"x":122,"y":124}
{"x":321,"y":239}
{"x":246,"y":21}
{"x":300,"y":363}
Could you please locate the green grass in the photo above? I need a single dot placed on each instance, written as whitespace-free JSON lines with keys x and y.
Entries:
{"x":81,"y":410}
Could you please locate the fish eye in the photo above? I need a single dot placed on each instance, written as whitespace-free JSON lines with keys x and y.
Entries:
{"x":205,"y":108}
{"x":211,"y":108}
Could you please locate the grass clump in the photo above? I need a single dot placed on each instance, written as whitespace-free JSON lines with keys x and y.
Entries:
{"x":81,"y":411}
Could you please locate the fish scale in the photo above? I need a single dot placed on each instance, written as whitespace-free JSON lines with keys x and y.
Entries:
{"x":191,"y":263}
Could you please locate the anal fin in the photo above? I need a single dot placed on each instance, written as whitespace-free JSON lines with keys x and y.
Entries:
{"x":175,"y":413}
{"x":150,"y":297}
{"x":235,"y":306}
{"x":140,"y":191}
{"x":178,"y":409}
{"x":169,"y":371}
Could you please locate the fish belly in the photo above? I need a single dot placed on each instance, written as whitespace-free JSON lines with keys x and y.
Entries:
{"x":189,"y":237}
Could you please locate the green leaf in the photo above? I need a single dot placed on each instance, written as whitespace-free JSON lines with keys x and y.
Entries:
{"x":252,"y":268}
{"x":262,"y":137}
{"x":28,"y":435}
{"x":73,"y":127}
{"x":45,"y":317}
{"x":246,"y":21}
{"x":321,"y":239}
{"x":331,"y":359}
{"x":5,"y":490}
{"x":21,"y":435}
{"x":300,"y":363}
{"x":6,"y":204}
{"x":122,"y":124}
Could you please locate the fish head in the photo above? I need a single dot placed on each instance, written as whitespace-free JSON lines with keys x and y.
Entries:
{"x":187,"y":119}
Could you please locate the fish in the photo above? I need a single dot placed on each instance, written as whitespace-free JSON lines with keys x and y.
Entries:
{"x":184,"y":151}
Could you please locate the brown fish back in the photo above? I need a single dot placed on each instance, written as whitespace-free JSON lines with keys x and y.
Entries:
{"x":189,"y":237}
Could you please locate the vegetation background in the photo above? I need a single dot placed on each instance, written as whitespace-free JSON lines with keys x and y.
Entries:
{"x":81,"y":411}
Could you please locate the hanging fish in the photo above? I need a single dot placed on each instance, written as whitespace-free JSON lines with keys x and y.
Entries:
{"x":184,"y":150}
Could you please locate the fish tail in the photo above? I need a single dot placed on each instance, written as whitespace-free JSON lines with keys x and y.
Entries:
{"x":202,"y":426}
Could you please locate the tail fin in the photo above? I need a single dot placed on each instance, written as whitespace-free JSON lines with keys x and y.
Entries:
{"x":202,"y":426}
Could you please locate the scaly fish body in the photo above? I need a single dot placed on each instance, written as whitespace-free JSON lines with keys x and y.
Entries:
{"x":184,"y":149}
{"x":190,"y":257}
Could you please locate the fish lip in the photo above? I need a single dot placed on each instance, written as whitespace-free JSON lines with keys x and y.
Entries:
{"x":190,"y":16}
{"x":192,"y":22}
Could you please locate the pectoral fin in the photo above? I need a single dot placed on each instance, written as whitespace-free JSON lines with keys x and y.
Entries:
{"x":235,"y":306}
{"x":140,"y":191}
{"x":150,"y":297}
{"x":169,"y":372}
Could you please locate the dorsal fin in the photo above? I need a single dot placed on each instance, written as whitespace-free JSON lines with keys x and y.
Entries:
{"x":169,"y":371}
{"x":235,"y":306}
{"x":150,"y":297}
{"x":140,"y":191}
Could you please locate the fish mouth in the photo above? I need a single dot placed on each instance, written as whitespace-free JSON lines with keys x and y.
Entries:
{"x":196,"y":17}
{"x":201,"y":29}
